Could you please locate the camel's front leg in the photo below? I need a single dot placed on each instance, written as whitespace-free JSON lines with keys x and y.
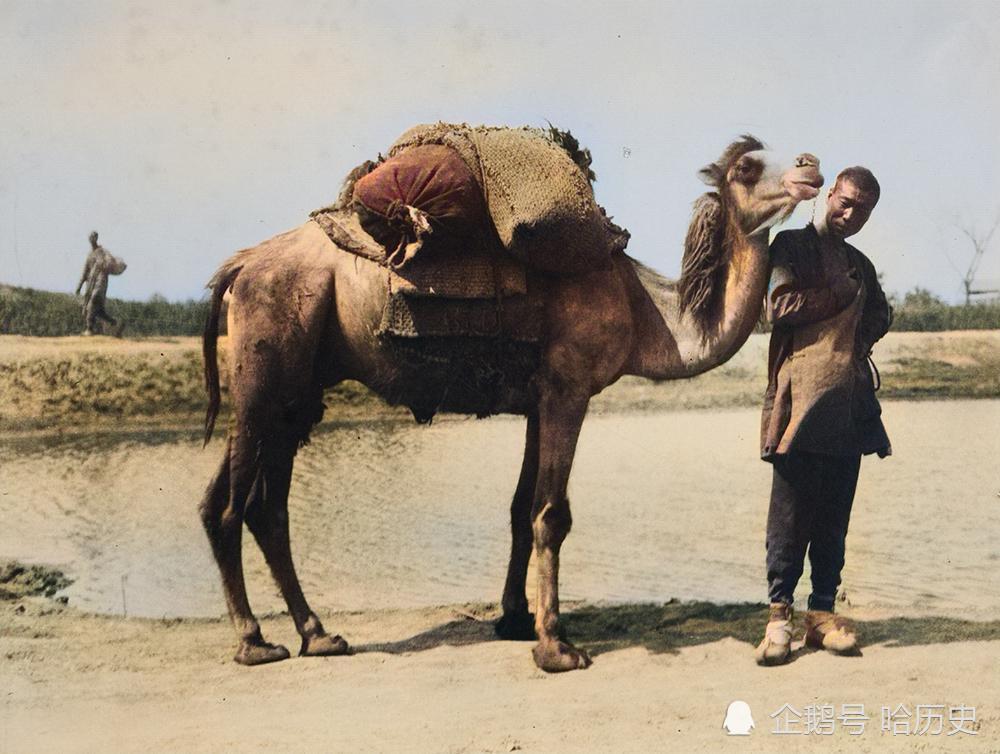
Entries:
{"x":560,"y":418}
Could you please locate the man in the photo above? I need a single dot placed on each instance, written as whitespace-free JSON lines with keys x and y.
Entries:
{"x":96,"y":269}
{"x":820,"y":411}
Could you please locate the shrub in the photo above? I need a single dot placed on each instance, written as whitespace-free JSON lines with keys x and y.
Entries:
{"x":26,"y":311}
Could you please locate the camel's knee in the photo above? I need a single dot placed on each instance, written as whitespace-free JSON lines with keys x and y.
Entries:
{"x":266,"y":517}
{"x":222,"y":508}
{"x":220,"y":523}
{"x":552,"y":523}
{"x":214,"y":501}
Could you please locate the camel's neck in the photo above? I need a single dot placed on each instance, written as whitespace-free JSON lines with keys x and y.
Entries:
{"x":671,"y":345}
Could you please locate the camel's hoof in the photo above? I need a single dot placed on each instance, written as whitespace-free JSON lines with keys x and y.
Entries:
{"x":516,"y":627}
{"x":558,"y":657}
{"x":323,"y":645}
{"x":259,"y":653}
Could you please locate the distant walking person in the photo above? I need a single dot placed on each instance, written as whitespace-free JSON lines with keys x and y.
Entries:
{"x":820,"y":412}
{"x":99,"y":265}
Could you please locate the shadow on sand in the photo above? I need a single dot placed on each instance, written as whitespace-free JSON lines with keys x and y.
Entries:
{"x":674,"y":625}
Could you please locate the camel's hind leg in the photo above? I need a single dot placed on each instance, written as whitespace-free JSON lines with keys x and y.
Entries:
{"x":222,"y":511}
{"x":277,"y":321}
{"x":267,"y":519}
{"x":517,"y":622}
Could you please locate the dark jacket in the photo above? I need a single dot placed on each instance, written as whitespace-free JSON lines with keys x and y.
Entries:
{"x":828,"y":310}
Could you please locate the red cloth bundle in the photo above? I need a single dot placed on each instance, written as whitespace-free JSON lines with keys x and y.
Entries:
{"x":423,"y":191}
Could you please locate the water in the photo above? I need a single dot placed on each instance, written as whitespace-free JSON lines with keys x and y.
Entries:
{"x":388,"y":514}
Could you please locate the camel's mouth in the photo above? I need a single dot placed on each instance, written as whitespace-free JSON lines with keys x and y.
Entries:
{"x":802,"y":190}
{"x":804,"y":180}
{"x":803,"y":183}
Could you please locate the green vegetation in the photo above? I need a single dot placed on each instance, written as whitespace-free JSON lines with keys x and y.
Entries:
{"x":922,"y":311}
{"x":915,"y":377}
{"x":26,"y":311}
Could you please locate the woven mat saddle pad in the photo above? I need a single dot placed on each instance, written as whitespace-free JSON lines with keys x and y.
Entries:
{"x":474,"y":274}
{"x":518,"y":318}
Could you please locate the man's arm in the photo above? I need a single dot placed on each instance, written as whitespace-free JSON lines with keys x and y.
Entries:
{"x":876,"y":319}
{"x":791,"y":303}
{"x":86,"y":273}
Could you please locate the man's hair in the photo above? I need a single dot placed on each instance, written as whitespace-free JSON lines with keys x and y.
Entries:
{"x":861,"y":177}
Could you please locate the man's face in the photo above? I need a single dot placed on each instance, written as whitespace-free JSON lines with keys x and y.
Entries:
{"x":848,"y":209}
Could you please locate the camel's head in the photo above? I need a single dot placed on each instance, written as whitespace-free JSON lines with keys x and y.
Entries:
{"x":756,"y":188}
{"x":754,"y":192}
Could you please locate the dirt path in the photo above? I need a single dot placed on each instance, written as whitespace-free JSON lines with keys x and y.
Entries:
{"x":436,"y":681}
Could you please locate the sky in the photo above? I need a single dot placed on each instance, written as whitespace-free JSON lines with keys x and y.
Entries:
{"x":183,"y":131}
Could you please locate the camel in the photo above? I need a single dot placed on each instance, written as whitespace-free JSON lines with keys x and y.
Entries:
{"x":304,"y":314}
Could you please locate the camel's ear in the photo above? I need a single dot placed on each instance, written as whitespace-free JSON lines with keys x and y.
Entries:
{"x":710,"y":175}
{"x":702,"y":254}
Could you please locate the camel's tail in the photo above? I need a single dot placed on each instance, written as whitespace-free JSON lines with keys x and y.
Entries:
{"x":219,"y":284}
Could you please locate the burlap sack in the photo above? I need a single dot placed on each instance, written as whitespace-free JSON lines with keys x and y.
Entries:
{"x":539,"y":200}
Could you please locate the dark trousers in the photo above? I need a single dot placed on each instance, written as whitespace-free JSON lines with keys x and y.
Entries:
{"x":94,"y":310}
{"x":811,"y":497}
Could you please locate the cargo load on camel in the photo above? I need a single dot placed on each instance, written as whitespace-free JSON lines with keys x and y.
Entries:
{"x":459,"y":188}
{"x":463,"y":218}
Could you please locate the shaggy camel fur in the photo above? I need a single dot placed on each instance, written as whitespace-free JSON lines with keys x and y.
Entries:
{"x":304,"y":315}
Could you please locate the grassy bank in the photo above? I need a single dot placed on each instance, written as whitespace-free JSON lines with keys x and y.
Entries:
{"x":62,"y":383}
{"x":912,"y":365}
{"x":80,"y":382}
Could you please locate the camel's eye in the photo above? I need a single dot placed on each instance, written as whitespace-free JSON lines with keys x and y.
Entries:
{"x":747,"y":170}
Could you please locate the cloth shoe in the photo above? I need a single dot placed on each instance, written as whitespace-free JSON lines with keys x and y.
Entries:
{"x":834,"y":633}
{"x":776,"y":647}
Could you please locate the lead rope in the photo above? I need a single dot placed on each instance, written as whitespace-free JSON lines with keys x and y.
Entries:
{"x":875,"y":374}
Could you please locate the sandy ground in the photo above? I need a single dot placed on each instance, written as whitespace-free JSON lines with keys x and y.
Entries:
{"x":436,"y":680}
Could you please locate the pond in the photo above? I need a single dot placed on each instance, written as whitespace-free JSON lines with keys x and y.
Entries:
{"x":391,"y":514}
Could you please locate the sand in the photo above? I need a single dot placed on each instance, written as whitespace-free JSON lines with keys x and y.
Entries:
{"x":435,"y":680}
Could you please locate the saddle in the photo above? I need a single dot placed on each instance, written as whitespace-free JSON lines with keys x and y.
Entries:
{"x":470,"y":292}
{"x":464,"y":320}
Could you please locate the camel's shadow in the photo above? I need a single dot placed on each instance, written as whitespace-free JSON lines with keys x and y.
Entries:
{"x":670,"y":627}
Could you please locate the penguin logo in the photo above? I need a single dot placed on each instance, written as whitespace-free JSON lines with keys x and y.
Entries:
{"x":739,"y":721}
